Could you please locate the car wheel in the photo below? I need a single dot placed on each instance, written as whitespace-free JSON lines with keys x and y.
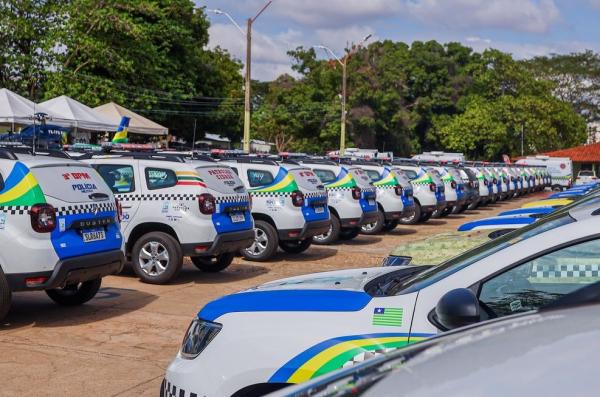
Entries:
{"x":414,"y":218}
{"x":374,"y":227}
{"x":447,"y":211}
{"x":156,"y":258}
{"x":332,"y":235}
{"x":75,"y":294}
{"x":5,"y":296}
{"x":425,"y":217}
{"x":265,"y":242}
{"x":349,"y":234}
{"x":213,"y":264}
{"x":390,"y":225}
{"x":295,"y":246}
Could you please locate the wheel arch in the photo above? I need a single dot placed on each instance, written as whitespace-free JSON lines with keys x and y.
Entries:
{"x":148,"y":227}
{"x":258,"y":216}
{"x":259,"y":389}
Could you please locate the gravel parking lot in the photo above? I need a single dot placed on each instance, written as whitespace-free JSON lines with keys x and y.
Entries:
{"x":121,"y":342}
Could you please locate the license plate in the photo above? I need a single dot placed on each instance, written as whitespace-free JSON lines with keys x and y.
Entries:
{"x":93,"y":235}
{"x":237,"y":218}
{"x":371,"y":202}
{"x":319,"y":210}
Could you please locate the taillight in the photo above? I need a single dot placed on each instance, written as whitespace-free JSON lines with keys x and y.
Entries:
{"x":504,"y":180}
{"x":43,"y":218}
{"x":471,"y":184}
{"x":495,"y":181}
{"x":207,"y":204}
{"x":250,"y":202}
{"x":432,"y":187}
{"x":453,"y":185}
{"x":476,"y":184}
{"x":398,"y":189}
{"x":119,"y":209}
{"x":486,"y":182}
{"x":297,"y":198}
{"x":512,"y":178}
{"x":356,"y":192}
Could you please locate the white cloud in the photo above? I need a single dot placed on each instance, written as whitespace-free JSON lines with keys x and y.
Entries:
{"x":535,"y":16}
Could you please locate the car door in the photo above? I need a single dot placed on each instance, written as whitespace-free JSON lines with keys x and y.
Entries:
{"x":124,"y":180}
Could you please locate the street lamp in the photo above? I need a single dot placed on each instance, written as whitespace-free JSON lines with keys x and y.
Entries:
{"x":344,"y":63}
{"x":248,"y":35}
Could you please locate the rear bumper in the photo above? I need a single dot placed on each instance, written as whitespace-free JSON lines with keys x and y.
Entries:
{"x":368,"y":217}
{"x":391,"y":216}
{"x":71,"y":271}
{"x":310,"y":229}
{"x":224,"y":243}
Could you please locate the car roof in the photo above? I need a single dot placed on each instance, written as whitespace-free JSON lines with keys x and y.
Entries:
{"x":43,"y":161}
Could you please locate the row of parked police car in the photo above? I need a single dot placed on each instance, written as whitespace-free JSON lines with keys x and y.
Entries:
{"x":517,"y":315}
{"x":68,"y":219}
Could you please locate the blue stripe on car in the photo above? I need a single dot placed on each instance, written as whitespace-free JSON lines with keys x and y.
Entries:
{"x":496,"y":221}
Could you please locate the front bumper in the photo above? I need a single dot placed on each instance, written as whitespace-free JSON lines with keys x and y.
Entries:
{"x":224,"y":243}
{"x":310,"y":229}
{"x":72,"y":271}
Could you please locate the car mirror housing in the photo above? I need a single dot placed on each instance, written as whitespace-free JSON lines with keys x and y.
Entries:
{"x":457,"y":308}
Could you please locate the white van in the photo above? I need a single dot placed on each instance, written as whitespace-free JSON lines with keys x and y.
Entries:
{"x":561,"y":169}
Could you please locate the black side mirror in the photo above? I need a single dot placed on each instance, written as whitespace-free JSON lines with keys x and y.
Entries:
{"x":457,"y":308}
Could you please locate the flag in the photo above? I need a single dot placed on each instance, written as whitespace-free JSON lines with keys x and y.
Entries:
{"x":388,"y":316}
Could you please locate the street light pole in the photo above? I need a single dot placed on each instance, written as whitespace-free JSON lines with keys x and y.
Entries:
{"x":344,"y":63}
{"x":248,"y":76}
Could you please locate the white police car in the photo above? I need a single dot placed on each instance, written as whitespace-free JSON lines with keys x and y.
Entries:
{"x":173,"y":207}
{"x":59,"y":228}
{"x":291,"y":330}
{"x":289,"y":205}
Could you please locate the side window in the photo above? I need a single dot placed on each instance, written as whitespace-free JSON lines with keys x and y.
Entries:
{"x":119,"y":178}
{"x":542,"y":280}
{"x":259,"y":178}
{"x":326,"y":176}
{"x":160,"y":178}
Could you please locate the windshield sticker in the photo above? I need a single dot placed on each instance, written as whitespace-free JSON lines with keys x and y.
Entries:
{"x":388,"y":316}
{"x":516,"y":305}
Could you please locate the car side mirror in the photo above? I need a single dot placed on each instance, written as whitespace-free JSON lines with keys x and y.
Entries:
{"x":457,"y":308}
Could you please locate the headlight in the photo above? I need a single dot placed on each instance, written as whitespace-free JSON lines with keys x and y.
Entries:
{"x":199,"y":334}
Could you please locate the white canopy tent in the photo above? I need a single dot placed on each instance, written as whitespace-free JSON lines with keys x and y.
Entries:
{"x":77,"y":115}
{"x":137,"y":124}
{"x":17,"y":110}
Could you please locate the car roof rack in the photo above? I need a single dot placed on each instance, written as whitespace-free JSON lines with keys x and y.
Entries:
{"x":404,"y":161}
{"x":175,"y":158}
{"x":7,"y":154}
{"x":28,"y":150}
{"x":250,"y":160}
{"x":318,"y":161}
{"x":358,"y":162}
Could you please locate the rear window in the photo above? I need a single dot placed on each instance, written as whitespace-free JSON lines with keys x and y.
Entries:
{"x":222,"y":179}
{"x":361,"y":177}
{"x":119,"y":178}
{"x":586,"y":173}
{"x":306,"y":178}
{"x":326,"y":176}
{"x":160,"y":178}
{"x":374,"y":175}
{"x":435,"y":176}
{"x":402,"y":176}
{"x":411,"y":174}
{"x":259,"y":178}
{"x":72,"y":184}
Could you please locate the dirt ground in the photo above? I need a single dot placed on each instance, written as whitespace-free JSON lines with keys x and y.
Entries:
{"x":121,"y":342}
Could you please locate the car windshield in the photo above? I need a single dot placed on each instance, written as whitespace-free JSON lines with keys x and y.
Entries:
{"x":586,"y":173}
{"x":437,"y":273}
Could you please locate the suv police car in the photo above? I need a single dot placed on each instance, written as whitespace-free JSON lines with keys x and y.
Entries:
{"x":289,"y":205}
{"x":173,"y":207}
{"x":59,"y":228}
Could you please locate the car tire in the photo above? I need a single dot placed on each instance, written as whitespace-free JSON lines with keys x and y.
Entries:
{"x":447,"y":211}
{"x":375,"y":227}
{"x":415,"y":218}
{"x":332,"y":235}
{"x":76,"y":294}
{"x":425,"y":217}
{"x":295,"y":246}
{"x":349,"y":234}
{"x":213,"y":264}
{"x":5,"y":296}
{"x":390,"y":225}
{"x":156,"y":258}
{"x":265,"y":243}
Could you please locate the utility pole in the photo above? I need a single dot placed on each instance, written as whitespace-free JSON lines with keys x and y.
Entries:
{"x":522,"y":138}
{"x":344,"y":63}
{"x":248,"y":76}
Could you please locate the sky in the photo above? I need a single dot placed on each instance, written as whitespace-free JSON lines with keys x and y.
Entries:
{"x":524,"y":28}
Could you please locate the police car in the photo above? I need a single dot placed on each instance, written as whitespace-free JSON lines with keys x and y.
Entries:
{"x":352,"y":199}
{"x":481,"y":185}
{"x":289,"y":205}
{"x":454,"y":189}
{"x":173,"y":207}
{"x":390,"y":195}
{"x":59,"y":228}
{"x":428,"y":190}
{"x":292,"y":330}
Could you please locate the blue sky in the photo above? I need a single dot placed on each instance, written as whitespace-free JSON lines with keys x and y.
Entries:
{"x":524,"y":28}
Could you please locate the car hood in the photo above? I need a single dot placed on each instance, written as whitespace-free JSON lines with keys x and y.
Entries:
{"x":339,"y":291}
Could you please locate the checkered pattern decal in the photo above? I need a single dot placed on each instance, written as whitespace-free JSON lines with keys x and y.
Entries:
{"x":169,"y":390}
{"x":366,"y":355}
{"x":564,"y":271}
{"x":63,"y":211}
{"x":310,"y":195}
{"x":237,"y":198}
{"x":156,"y":197}
{"x":15,"y":209}
{"x":271,"y":194}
